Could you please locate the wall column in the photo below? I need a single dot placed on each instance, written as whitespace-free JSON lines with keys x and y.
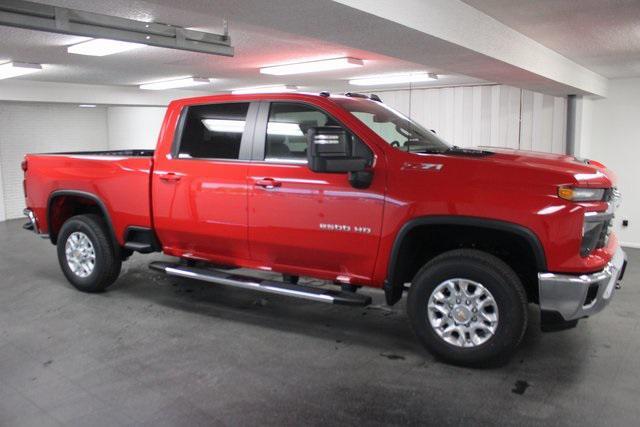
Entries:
{"x":572,"y":101}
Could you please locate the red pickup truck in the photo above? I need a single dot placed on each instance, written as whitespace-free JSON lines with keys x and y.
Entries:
{"x":344,"y":189}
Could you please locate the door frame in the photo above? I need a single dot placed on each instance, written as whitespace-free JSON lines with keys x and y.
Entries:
{"x":262,"y":120}
{"x":246,"y":143}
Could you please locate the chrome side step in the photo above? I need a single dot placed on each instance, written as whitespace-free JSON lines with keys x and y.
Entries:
{"x":268,"y":286}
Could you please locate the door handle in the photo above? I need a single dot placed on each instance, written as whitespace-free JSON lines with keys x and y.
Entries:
{"x":268,"y":183}
{"x":170,"y":177}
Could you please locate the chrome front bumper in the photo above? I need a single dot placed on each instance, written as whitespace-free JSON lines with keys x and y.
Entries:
{"x":576,"y":296}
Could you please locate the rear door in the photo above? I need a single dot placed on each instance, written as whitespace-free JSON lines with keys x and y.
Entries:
{"x":200,"y":188}
{"x":306,"y":222}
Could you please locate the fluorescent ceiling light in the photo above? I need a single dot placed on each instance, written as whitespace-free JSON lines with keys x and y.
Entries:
{"x":237,"y":126}
{"x":102,"y":47}
{"x":387,"y":79}
{"x":284,"y":129}
{"x":87,"y":105}
{"x":313,"y":66}
{"x":15,"y":69}
{"x":265,"y":89}
{"x":175,"y":83}
{"x":224,"y":125}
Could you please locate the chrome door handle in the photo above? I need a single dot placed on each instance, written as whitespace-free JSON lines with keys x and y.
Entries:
{"x":268,"y":183}
{"x":170,"y":177}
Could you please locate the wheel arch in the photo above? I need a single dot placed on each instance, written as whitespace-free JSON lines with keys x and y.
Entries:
{"x":77,"y":198}
{"x":394,"y":283}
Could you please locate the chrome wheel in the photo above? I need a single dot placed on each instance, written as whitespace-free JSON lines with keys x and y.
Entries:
{"x":463,"y":312}
{"x":80,"y":254}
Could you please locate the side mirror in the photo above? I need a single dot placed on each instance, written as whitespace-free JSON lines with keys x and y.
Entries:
{"x":330,"y":150}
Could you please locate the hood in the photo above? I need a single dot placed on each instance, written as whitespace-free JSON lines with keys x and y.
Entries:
{"x":584,"y":172}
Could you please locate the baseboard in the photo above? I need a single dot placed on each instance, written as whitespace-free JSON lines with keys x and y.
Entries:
{"x":630,"y":245}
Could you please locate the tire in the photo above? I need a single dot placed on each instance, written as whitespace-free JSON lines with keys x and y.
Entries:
{"x":497,"y":294}
{"x":106,"y":257}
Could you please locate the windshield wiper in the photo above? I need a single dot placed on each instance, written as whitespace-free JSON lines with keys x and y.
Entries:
{"x":454,"y":149}
{"x":427,"y":151}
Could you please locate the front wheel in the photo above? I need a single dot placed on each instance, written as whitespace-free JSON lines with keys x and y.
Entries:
{"x":468,"y":308}
{"x":87,"y":255}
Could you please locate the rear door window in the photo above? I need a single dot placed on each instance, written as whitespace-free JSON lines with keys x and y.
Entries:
{"x":213,"y":131}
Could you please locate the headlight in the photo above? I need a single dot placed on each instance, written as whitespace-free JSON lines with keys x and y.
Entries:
{"x":581,"y":194}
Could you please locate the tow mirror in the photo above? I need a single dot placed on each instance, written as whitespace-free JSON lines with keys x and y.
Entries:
{"x":330,"y":151}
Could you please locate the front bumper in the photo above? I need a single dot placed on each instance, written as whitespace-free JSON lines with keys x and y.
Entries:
{"x":573,"y":297}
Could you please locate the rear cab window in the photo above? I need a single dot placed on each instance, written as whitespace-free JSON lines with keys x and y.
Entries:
{"x":213,"y":131}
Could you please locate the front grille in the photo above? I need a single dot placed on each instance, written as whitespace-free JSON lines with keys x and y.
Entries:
{"x":608,"y":194}
{"x":604,"y":234}
{"x":598,"y":226}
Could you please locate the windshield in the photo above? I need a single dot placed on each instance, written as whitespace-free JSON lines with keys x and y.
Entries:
{"x":395,"y":128}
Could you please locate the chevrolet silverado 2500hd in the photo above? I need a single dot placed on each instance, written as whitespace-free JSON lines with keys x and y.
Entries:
{"x":345,"y":189}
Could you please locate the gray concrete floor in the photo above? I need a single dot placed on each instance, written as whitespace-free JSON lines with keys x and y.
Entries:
{"x":158,"y":351}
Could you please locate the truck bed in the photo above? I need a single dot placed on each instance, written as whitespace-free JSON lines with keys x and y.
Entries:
{"x":119,"y":179}
{"x":117,"y":153}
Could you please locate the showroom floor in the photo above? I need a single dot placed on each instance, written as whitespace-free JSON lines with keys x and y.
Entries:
{"x":159,"y":351}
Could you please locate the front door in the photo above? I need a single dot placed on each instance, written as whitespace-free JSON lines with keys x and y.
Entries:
{"x":303,"y":222}
{"x":200,"y":191}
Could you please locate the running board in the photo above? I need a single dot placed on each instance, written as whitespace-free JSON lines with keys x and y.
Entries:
{"x":268,"y":286}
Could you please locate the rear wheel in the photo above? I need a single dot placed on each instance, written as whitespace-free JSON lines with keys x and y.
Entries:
{"x":87,"y":255}
{"x":468,"y":308}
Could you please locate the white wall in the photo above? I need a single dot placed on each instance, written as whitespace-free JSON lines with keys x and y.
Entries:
{"x":614,"y":140}
{"x":134,"y":127}
{"x":3,"y":214}
{"x":43,"y":127}
{"x":495,"y":115}
{"x":33,"y":91}
{"x":35,"y":127}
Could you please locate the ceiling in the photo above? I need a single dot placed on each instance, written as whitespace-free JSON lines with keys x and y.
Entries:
{"x":602,"y":35}
{"x":255,"y":46}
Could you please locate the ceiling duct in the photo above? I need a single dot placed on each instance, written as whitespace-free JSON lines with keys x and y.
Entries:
{"x":35,"y":16}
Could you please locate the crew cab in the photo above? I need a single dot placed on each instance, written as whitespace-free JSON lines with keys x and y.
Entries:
{"x":344,"y":189}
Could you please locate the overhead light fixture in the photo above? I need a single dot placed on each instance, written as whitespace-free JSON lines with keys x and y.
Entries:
{"x":284,"y":129}
{"x":265,"y":89}
{"x":87,"y":105}
{"x":15,"y":69}
{"x":224,"y":125}
{"x":387,"y":79}
{"x":313,"y":66}
{"x":175,"y":83}
{"x":102,"y":47}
